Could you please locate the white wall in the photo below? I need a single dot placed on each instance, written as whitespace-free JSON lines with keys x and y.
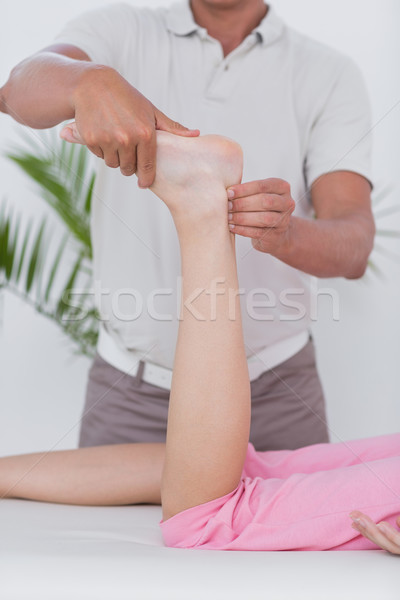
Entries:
{"x":42,"y":384}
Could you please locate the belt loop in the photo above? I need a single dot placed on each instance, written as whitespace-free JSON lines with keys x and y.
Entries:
{"x":139,"y":373}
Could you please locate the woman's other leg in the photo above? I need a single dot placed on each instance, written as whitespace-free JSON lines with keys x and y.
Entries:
{"x":101,"y":475}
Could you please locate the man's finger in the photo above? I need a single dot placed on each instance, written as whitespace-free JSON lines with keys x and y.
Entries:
{"x":111,"y":158}
{"x":261,"y":186}
{"x":146,"y":161}
{"x":166,"y":124}
{"x":127,"y":160}
{"x":70,"y":133}
{"x":97,"y":151}
{"x":258,"y":234}
{"x":265,"y":202}
{"x":257,"y":219}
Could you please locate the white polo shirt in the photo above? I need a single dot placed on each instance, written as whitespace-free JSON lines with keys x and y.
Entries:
{"x":297,"y":107}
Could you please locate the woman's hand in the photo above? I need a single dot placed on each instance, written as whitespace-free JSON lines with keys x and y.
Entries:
{"x":382,"y":534}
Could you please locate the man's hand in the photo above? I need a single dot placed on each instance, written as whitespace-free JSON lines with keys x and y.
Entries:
{"x":117,"y":123}
{"x":114,"y":120}
{"x":262,"y":211}
{"x":382,"y":534}
{"x":335,"y":244}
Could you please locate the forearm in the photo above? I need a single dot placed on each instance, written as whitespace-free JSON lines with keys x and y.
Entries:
{"x":328,"y":247}
{"x":102,"y":475}
{"x":39,"y":92}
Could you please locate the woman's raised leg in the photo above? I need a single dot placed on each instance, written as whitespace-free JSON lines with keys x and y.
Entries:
{"x":209,"y":408}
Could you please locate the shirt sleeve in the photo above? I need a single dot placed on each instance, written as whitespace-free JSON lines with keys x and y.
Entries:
{"x":105,"y":34}
{"x":340,"y":135}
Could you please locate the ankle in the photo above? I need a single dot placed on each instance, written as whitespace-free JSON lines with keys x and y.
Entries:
{"x":193,"y":175}
{"x":204,"y":236}
{"x":202,"y":216}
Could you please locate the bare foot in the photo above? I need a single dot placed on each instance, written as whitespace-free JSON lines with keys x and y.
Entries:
{"x":192,"y":174}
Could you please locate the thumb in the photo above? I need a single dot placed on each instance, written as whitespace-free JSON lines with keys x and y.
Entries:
{"x":166,"y":124}
{"x":70,"y":133}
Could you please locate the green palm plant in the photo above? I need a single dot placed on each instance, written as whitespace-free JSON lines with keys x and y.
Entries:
{"x":31,"y":269}
{"x":31,"y":263}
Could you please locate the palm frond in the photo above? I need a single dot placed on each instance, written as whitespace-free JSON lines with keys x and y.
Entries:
{"x":54,"y":267}
{"x":57,"y":195}
{"x":64,"y":308}
{"x":62,"y":173}
{"x":4,"y":232}
{"x":24,"y":254}
{"x":29,"y":266}
{"x":36,"y":259}
{"x":88,"y":200}
{"x":10,"y":259}
{"x":23,"y":251}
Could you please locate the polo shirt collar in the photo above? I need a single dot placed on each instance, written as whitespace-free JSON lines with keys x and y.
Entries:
{"x":180,"y":21}
{"x":271,"y":27}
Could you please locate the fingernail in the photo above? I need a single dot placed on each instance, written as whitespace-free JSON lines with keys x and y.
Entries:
{"x":230,"y":216}
{"x":71,"y":134}
{"x":231,"y":226}
{"x":382,"y":527}
{"x":359,"y":521}
{"x":231,"y":193}
{"x":230,"y":205}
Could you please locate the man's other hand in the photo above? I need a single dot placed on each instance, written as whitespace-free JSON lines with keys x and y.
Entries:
{"x":261,"y":210}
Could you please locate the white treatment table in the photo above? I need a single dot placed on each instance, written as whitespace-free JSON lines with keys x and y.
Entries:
{"x":62,"y":552}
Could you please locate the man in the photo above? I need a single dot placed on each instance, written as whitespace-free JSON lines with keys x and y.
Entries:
{"x":301,"y":114}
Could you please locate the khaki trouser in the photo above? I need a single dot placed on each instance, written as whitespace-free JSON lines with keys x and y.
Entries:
{"x":288,"y":406}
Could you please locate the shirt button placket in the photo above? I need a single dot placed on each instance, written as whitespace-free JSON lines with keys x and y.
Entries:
{"x":217,"y":62}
